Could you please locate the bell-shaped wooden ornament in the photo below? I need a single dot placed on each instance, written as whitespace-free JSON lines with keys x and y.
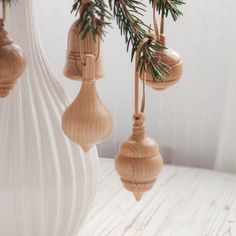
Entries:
{"x":77,"y":48}
{"x":175,"y":67}
{"x":87,"y":121}
{"x":139,"y":160}
{"x":12,"y":62}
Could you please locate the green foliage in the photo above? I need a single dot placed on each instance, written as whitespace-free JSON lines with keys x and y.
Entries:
{"x":128,"y":14}
{"x":8,"y":2}
{"x":164,"y":7}
{"x":95,"y":17}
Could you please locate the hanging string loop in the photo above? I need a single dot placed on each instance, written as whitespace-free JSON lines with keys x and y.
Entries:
{"x":158,"y":34}
{"x":139,"y":73}
{"x":4,"y":10}
{"x":156,"y":28}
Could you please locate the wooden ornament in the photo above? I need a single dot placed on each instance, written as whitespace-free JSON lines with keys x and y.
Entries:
{"x":172,"y":59}
{"x":139,"y":160}
{"x":167,"y":56}
{"x":87,"y":121}
{"x":12,"y":62}
{"x":77,"y":48}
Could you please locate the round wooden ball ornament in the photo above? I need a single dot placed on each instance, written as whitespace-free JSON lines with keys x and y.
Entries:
{"x":78,"y":47}
{"x":12,"y":62}
{"x":175,"y":67}
{"x":138,"y":161}
{"x":87,"y":121}
{"x":167,"y":56}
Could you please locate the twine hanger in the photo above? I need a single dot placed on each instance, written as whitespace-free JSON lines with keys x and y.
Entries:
{"x":143,"y":75}
{"x":4,"y":10}
{"x":81,"y":48}
{"x":156,"y":28}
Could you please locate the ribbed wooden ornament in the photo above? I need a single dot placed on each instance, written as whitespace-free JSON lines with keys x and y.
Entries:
{"x":12,"y":62}
{"x":139,"y":160}
{"x":74,"y":60}
{"x":87,"y":121}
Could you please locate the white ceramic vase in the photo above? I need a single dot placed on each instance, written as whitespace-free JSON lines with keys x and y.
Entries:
{"x":47,"y":183}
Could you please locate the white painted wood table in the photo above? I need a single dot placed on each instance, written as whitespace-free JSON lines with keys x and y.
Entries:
{"x":184,"y":202}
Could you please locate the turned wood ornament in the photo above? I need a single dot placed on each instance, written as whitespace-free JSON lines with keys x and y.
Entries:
{"x":77,"y":48}
{"x":87,"y":121}
{"x":139,"y":161}
{"x":167,"y":56}
{"x":12,"y":62}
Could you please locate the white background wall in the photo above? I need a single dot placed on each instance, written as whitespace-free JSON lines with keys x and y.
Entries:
{"x":185,"y":119}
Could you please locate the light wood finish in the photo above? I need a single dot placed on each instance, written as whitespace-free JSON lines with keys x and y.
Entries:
{"x":87,"y":121}
{"x":172,"y":59}
{"x":12,"y":62}
{"x":77,"y":48}
{"x":184,"y":202}
{"x":138,"y":161}
{"x":167,"y":56}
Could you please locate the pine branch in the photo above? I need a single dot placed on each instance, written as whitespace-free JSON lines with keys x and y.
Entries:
{"x":8,"y":2}
{"x":127,"y":14}
{"x":166,"y":7}
{"x":94,"y":17}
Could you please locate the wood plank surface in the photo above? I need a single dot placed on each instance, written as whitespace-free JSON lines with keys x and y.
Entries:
{"x":184,"y":202}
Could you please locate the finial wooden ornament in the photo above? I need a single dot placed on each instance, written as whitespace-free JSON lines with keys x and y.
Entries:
{"x":77,"y":48}
{"x":168,"y":56}
{"x":12,"y":62}
{"x":87,"y":121}
{"x":139,"y":161}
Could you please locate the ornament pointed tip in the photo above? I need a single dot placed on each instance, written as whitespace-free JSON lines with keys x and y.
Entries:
{"x":138,"y":196}
{"x":86,"y":147}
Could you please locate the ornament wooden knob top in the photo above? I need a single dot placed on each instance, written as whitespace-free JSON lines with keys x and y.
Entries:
{"x":139,"y":160}
{"x":76,"y":49}
{"x":12,"y":62}
{"x":87,"y":121}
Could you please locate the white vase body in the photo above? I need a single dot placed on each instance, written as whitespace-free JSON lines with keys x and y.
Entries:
{"x":47,"y":183}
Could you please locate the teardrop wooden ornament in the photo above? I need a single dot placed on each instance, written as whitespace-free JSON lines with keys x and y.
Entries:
{"x":139,"y":160}
{"x":87,"y":121}
{"x":175,"y":68}
{"x":12,"y":62}
{"x":77,"y":48}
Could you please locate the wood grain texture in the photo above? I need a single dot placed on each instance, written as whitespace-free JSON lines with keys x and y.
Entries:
{"x":172,"y":59}
{"x":74,"y":65}
{"x":184,"y":202}
{"x":87,"y":121}
{"x":138,"y":161}
{"x":12,"y":62}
